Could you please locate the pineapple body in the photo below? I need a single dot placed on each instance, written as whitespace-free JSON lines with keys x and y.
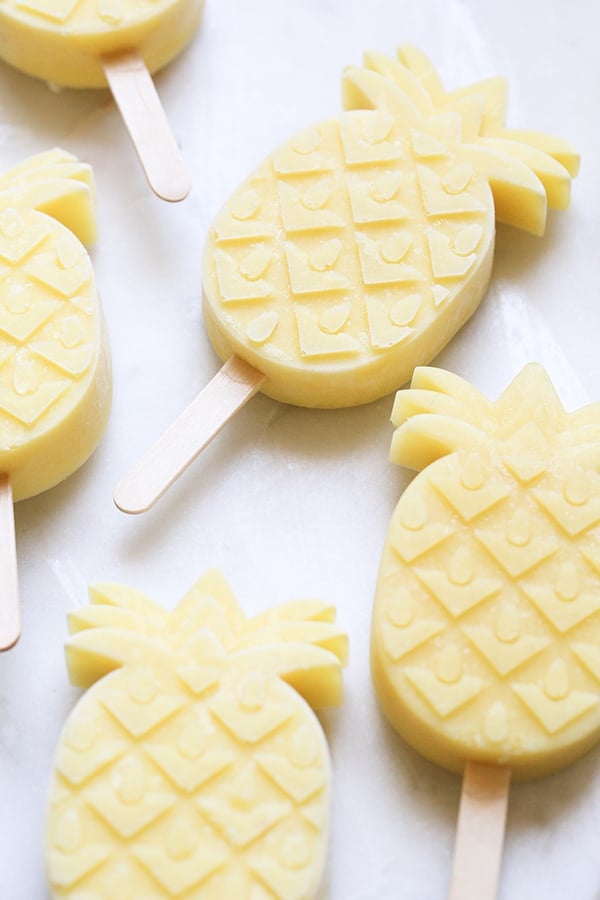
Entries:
{"x":63,"y":41}
{"x":486,"y":623}
{"x":55,"y":383}
{"x":360,"y":246}
{"x":189,"y":772}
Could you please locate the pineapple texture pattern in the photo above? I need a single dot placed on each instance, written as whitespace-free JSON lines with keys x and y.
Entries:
{"x":48,"y":322}
{"x":362,"y":244}
{"x":195,"y":769}
{"x":486,"y":631}
{"x":54,"y":366}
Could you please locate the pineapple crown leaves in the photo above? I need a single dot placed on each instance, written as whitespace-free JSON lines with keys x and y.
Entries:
{"x":55,"y":183}
{"x":442,"y":413}
{"x":527,"y":171}
{"x":297,"y":642}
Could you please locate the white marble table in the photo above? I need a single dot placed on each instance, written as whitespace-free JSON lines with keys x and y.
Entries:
{"x":290,"y":502}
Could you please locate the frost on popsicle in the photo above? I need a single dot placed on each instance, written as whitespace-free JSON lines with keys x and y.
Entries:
{"x":54,"y":367}
{"x":360,"y":246}
{"x":195,"y":767}
{"x":486,"y":628}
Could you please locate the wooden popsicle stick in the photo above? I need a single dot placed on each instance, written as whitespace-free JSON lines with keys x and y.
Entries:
{"x":189,"y":434}
{"x":480,"y":832}
{"x":136,"y":96}
{"x":10,"y":624}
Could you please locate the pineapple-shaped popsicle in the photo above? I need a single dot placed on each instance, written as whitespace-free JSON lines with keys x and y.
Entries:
{"x":360,"y":246}
{"x":195,"y":767}
{"x":486,"y":627}
{"x":54,"y":365}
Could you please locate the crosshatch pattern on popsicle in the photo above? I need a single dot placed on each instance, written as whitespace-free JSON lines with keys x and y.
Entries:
{"x":365,"y":261}
{"x":487,"y":621}
{"x":48,"y":323}
{"x":193,"y":769}
{"x":355,"y":238}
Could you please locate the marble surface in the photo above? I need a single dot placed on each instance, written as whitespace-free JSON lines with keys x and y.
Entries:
{"x":290,"y":502}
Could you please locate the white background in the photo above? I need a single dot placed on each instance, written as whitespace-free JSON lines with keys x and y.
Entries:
{"x":290,"y":502}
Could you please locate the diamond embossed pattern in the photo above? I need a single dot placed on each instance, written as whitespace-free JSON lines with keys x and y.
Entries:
{"x":486,"y":628}
{"x":361,"y":245}
{"x":48,"y":324}
{"x":194,"y":770}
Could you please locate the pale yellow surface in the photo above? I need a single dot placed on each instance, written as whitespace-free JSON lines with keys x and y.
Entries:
{"x":359,"y":247}
{"x":63,"y":41}
{"x":55,"y":383}
{"x":486,"y":627}
{"x":195,"y":767}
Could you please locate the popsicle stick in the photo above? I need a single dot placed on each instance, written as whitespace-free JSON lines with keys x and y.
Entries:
{"x":189,"y":434}
{"x":10,"y":624}
{"x":135,"y":95}
{"x":480,"y":832}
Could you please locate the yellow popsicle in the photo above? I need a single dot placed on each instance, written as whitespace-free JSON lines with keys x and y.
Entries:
{"x":55,"y":378}
{"x":55,"y":382}
{"x":486,"y":625}
{"x":195,"y":766}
